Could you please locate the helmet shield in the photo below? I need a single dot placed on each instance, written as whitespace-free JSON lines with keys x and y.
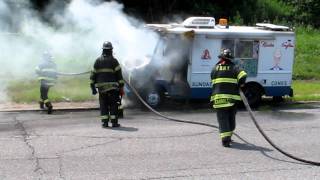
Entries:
{"x":107,"y":45}
{"x":46,"y":56}
{"x":226,"y":54}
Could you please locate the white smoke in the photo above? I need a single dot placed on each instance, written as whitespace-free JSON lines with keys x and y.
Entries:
{"x":75,"y":39}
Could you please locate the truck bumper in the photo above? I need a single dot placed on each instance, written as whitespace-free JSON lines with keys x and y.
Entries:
{"x":278,"y":91}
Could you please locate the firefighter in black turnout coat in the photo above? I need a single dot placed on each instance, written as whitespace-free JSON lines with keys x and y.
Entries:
{"x":47,"y":75}
{"x":107,"y":77}
{"x":226,"y":80}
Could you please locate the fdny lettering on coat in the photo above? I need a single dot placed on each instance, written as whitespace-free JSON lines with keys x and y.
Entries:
{"x":223,"y":68}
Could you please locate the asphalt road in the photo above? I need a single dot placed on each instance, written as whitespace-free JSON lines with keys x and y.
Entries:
{"x":72,"y":145}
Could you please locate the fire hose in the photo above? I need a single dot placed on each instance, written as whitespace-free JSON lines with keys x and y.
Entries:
{"x":245,"y":101}
{"x":72,"y":74}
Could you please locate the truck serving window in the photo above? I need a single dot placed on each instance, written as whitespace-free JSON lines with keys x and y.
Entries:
{"x":244,"y":49}
{"x":246,"y":53}
{"x":228,"y":44}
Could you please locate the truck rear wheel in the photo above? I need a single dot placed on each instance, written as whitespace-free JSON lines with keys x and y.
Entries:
{"x":253,"y":94}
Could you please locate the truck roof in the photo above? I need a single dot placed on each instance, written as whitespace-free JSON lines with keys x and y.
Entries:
{"x":262,"y":30}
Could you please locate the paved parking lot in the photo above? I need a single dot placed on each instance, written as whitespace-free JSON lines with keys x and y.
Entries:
{"x":72,"y":145}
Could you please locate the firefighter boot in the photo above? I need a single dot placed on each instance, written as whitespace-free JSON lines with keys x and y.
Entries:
{"x":105,"y":123}
{"x":226,"y":141}
{"x":49,"y":106}
{"x":41,"y":103}
{"x":115,"y":123}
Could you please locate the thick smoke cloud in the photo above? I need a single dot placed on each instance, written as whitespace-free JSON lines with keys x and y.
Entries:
{"x":74,"y":37}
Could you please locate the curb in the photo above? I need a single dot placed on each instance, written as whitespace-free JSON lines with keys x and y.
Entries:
{"x":32,"y":109}
{"x":57,"y":109}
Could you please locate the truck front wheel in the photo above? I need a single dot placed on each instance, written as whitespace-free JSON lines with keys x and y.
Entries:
{"x":154,"y":98}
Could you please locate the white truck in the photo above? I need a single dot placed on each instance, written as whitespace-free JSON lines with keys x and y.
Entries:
{"x":186,"y":53}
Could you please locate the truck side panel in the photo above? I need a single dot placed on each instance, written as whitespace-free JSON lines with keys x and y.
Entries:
{"x":275,"y":65}
{"x":204,"y":57}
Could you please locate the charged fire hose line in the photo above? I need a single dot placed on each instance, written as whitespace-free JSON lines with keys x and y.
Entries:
{"x":245,"y":101}
{"x":72,"y":74}
{"x":147,"y":105}
{"x":161,"y":115}
{"x":209,"y":125}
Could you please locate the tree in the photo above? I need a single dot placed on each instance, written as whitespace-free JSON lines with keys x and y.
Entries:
{"x":305,"y":12}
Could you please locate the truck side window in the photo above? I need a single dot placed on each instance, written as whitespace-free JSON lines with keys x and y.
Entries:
{"x":228,"y":44}
{"x":247,"y":54}
{"x":244,"y":49}
{"x":255,"y":52}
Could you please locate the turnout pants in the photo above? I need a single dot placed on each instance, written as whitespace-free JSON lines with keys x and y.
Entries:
{"x":227,"y":121}
{"x":44,"y":90}
{"x":109,"y":106}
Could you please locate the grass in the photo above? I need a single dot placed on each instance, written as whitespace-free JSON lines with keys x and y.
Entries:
{"x":306,"y":90}
{"x":74,"y":89}
{"x":307,"y":54}
{"x":77,"y":89}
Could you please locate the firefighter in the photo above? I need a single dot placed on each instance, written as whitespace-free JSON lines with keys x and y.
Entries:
{"x":107,"y":77}
{"x":226,"y":78}
{"x":47,"y":75}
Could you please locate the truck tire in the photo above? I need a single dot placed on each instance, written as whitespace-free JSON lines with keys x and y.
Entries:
{"x":154,"y":98}
{"x":253,"y":93}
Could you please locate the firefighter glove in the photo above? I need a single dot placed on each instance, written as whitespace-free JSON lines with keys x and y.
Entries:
{"x":121,"y":92}
{"x":93,"y":89}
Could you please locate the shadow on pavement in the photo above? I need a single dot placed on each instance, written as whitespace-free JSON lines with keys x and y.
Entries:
{"x":264,"y":151}
{"x":249,"y":147}
{"x":122,"y":128}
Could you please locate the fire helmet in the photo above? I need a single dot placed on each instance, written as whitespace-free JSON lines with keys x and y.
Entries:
{"x":226,"y":54}
{"x":107,"y":45}
{"x":46,"y":55}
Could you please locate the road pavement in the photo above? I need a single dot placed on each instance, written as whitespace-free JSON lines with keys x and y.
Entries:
{"x":72,"y":145}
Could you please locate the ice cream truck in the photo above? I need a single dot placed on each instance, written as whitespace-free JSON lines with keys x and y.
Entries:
{"x":182,"y":61}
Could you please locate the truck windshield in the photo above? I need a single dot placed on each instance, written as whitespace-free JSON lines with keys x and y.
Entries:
{"x":171,"y":56}
{"x":171,"y":48}
{"x":159,"y":49}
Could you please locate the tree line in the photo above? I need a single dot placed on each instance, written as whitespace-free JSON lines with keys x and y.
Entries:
{"x":244,"y":12}
{"x":247,"y":12}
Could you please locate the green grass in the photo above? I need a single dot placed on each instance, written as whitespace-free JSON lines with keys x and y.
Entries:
{"x":306,"y":90}
{"x":307,"y":54}
{"x":74,"y":89}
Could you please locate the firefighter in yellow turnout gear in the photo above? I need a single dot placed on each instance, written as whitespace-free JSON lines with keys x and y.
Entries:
{"x":107,"y":77}
{"x":226,"y":79}
{"x":47,"y":75}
